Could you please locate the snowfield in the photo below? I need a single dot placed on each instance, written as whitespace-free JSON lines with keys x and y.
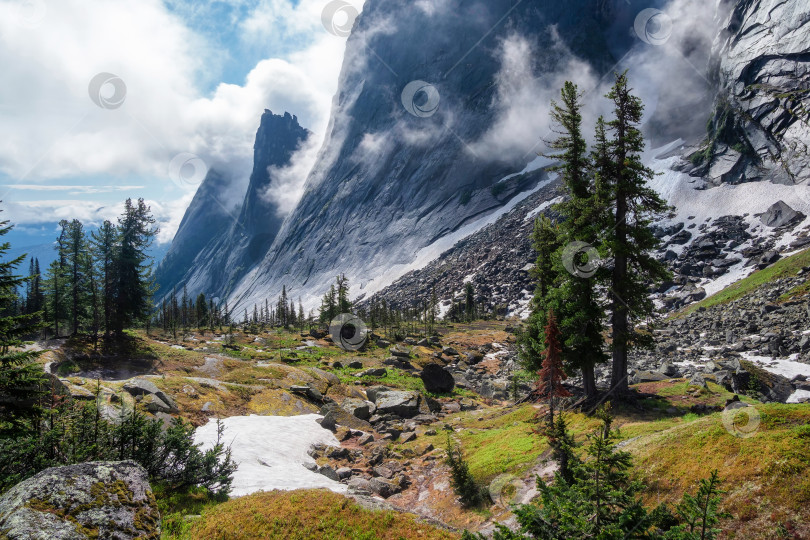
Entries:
{"x":271,"y":451}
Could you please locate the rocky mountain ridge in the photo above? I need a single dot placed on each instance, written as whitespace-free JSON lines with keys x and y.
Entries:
{"x":217,"y":243}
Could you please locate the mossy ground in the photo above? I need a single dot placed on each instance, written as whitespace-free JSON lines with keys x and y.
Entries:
{"x":302,"y":515}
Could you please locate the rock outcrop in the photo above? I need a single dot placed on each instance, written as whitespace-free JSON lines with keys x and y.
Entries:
{"x":110,"y":500}
{"x":219,"y":241}
{"x":759,"y":130}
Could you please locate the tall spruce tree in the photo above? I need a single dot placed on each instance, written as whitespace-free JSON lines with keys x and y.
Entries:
{"x":105,"y":242}
{"x":134,"y":280}
{"x":575,"y":296}
{"x":75,"y":254}
{"x":21,"y":379}
{"x":630,"y":241}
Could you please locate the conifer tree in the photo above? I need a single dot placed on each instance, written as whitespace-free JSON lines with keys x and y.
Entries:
{"x":531,"y":342}
{"x":282,"y":307}
{"x":134,"y":286}
{"x":104,"y":242}
{"x":630,"y":241}
{"x":21,"y":379}
{"x":201,"y":311}
{"x":550,"y":377}
{"x":575,"y":296}
{"x":75,"y":252}
{"x":469,"y":302}
{"x":343,"y":303}
{"x":329,"y":306}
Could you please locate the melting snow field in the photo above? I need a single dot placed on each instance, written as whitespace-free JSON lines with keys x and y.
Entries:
{"x":271,"y":451}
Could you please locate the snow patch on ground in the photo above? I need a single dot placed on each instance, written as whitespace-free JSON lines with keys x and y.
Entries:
{"x":271,"y":451}
{"x":786,"y":368}
{"x":798,"y":395}
{"x":542,"y":207}
{"x":748,"y":198}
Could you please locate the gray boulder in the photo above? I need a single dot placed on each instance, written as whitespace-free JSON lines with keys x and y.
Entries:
{"x":400,"y":403}
{"x":400,"y":351}
{"x":335,"y":416}
{"x":356,"y":407}
{"x":111,"y":500}
{"x":373,"y":372}
{"x":779,"y":214}
{"x":142,"y":387}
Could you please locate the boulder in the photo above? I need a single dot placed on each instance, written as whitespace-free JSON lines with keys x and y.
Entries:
{"x":401,"y":351}
{"x":437,"y":379}
{"x":359,"y":484}
{"x":404,"y":404}
{"x":397,"y":362}
{"x":91,"y":500}
{"x":372,"y":391}
{"x":383,"y":488}
{"x":356,"y":407}
{"x":142,"y":387}
{"x":373,"y":372}
{"x":335,"y":416}
{"x":779,"y":214}
{"x":154,"y":405}
{"x":449,"y":351}
{"x":329,"y":472}
{"x":317,"y":334}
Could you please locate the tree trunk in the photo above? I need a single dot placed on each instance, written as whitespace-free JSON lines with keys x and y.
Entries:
{"x":618,"y":381}
{"x":589,"y":382}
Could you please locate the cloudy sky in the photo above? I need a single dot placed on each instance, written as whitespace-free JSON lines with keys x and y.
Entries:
{"x":107,"y":99}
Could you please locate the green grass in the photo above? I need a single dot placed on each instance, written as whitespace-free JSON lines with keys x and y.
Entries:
{"x":784,"y":268}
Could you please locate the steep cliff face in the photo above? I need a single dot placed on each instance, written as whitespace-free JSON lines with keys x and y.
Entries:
{"x":760,"y":129}
{"x":720,"y":231}
{"x":215,"y":244}
{"x":403,"y":167}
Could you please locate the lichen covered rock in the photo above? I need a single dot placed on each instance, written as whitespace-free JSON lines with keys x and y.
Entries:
{"x":110,"y":500}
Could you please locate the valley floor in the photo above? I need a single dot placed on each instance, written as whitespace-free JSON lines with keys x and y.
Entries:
{"x":675,"y":431}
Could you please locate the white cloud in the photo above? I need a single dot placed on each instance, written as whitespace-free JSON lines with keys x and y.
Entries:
{"x":50,"y":129}
{"x":73,"y":190}
{"x":522,"y":99}
{"x":287,"y":183}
